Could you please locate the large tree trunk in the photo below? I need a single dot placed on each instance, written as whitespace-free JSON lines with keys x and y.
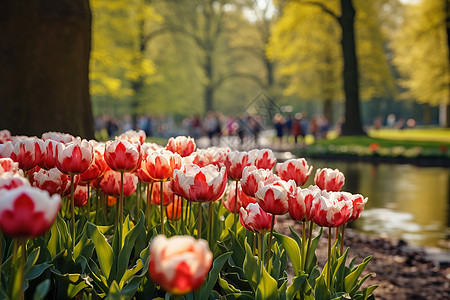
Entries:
{"x":352,"y":125}
{"x":44,"y":74}
{"x":447,"y":22}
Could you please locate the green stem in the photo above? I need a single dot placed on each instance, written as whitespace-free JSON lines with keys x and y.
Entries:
{"x":147,"y":208}
{"x":329,"y":259}
{"x":303,"y":251}
{"x":88,"y":201}
{"x":181,"y":212}
{"x":254,"y":244}
{"x":97,"y":205}
{"x":310,"y":229}
{"x":210,"y":223}
{"x":342,"y":239}
{"x":270,"y":242}
{"x":261,"y":249}
{"x":23,"y":243}
{"x":72,"y":208}
{"x":235,"y":208}
{"x":161,"y":206}
{"x":200,"y":217}
{"x":121,"y":212}
{"x":189,"y":213}
{"x":138,"y":199}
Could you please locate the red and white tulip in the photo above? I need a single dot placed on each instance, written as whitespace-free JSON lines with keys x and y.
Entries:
{"x":181,"y":145}
{"x":122,"y":156}
{"x":255,"y":219}
{"x":295,"y":169}
{"x":329,"y":180}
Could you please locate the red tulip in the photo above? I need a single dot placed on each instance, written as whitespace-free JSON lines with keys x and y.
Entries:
{"x":329,"y":180}
{"x":110,"y":183}
{"x":160,"y":164}
{"x":273,"y":198}
{"x":28,"y":153}
{"x":181,"y":145}
{"x":53,"y":181}
{"x":133,"y":136}
{"x":57,"y":137}
{"x":122,"y":156}
{"x":218,"y":155}
{"x":197,"y":184}
{"x":264,"y":158}
{"x":48,"y":159}
{"x":81,"y":195}
{"x":201,"y":157}
{"x":300,"y":203}
{"x":8,"y":165}
{"x":255,"y":219}
{"x":236,"y":162}
{"x":97,"y":168}
{"x":167,"y":193}
{"x":358,"y":202}
{"x":253,"y":178}
{"x":5,"y":136}
{"x":9,"y":181}
{"x":332,"y":209}
{"x":295,"y":169}
{"x":243,"y":199}
{"x":179,"y":264}
{"x":74,"y":157}
{"x":27,"y":212}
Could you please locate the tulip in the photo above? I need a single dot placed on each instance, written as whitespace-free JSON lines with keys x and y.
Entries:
{"x":110,"y":183}
{"x":243,"y":199}
{"x":218,"y":155}
{"x":264,"y":158}
{"x":6,"y":149}
{"x":329,"y":180}
{"x":48,"y":159}
{"x":201,"y":157}
{"x":358,"y":202}
{"x":173,"y":209}
{"x":167,"y":194}
{"x":133,"y":136}
{"x":98,"y":166}
{"x":58,"y":137}
{"x":295,"y":169}
{"x":181,"y":145}
{"x":9,"y":181}
{"x":160,"y":165}
{"x":255,"y":219}
{"x":53,"y":181}
{"x":253,"y":178}
{"x":5,"y":135}
{"x":235,"y":163}
{"x":28,"y":153}
{"x":273,"y":198}
{"x":8,"y":165}
{"x":26,"y":212}
{"x":81,"y":195}
{"x":179,"y":264}
{"x":122,"y":156}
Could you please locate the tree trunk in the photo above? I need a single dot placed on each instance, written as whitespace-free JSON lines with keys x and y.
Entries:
{"x":44,"y":74}
{"x":209,"y":88}
{"x":352,"y":125}
{"x":328,"y":110}
{"x":447,"y":23}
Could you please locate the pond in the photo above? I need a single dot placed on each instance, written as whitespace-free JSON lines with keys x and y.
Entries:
{"x":405,"y":201}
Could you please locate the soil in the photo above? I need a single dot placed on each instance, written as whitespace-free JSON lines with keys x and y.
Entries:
{"x":401,"y":271}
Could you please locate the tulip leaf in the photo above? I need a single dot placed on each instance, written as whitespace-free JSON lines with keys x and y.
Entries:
{"x":295,"y":286}
{"x":351,"y":279}
{"x":311,"y":260}
{"x":321,"y":291}
{"x":42,"y":290}
{"x":211,"y":279}
{"x":339,"y":272}
{"x":37,"y":270}
{"x":104,"y":251}
{"x":292,"y":250}
{"x":72,"y":284}
{"x":267,"y":287}
{"x":125,"y":252}
{"x":251,"y":267}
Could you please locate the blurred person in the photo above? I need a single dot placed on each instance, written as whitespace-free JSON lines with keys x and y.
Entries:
{"x":278,"y":123}
{"x":288,"y":126}
{"x":390,"y":121}
{"x":196,"y":126}
{"x":324,"y":126}
{"x":210,"y":124}
{"x":297,"y":127}
{"x":255,"y":125}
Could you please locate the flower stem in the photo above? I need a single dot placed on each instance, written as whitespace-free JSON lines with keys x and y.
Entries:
{"x":88,"y":200}
{"x":303,"y":251}
{"x":23,"y":245}
{"x":310,"y":229}
{"x":72,"y":208}
{"x":329,"y":259}
{"x":342,"y":238}
{"x":261,"y":249}
{"x":147,"y":208}
{"x":254,"y":244}
{"x":210,"y":223}
{"x":161,"y":206}
{"x":138,"y":199}
{"x":200,"y":217}
{"x":121,"y":212}
{"x":235,"y":208}
{"x":97,"y":194}
{"x":270,"y":242}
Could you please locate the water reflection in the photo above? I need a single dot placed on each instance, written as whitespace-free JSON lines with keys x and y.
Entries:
{"x":405,"y":201}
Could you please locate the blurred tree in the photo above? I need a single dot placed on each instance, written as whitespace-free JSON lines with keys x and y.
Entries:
{"x":318,"y":55}
{"x":120,"y":64}
{"x":44,"y":56}
{"x":425,"y":77}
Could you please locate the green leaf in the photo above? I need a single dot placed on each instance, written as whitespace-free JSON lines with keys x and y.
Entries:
{"x":351,"y":279}
{"x":37,"y":270}
{"x":104,"y":251}
{"x":339,"y":272}
{"x":251,"y":267}
{"x":321,"y":291}
{"x":312,"y":259}
{"x":130,"y":273}
{"x":72,"y":284}
{"x":295,"y":286}
{"x":125,"y":252}
{"x":267,"y":287}
{"x":292,"y":250}
{"x":213,"y":275}
{"x":42,"y":290}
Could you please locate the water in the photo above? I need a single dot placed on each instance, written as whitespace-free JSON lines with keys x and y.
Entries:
{"x":405,"y":201}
